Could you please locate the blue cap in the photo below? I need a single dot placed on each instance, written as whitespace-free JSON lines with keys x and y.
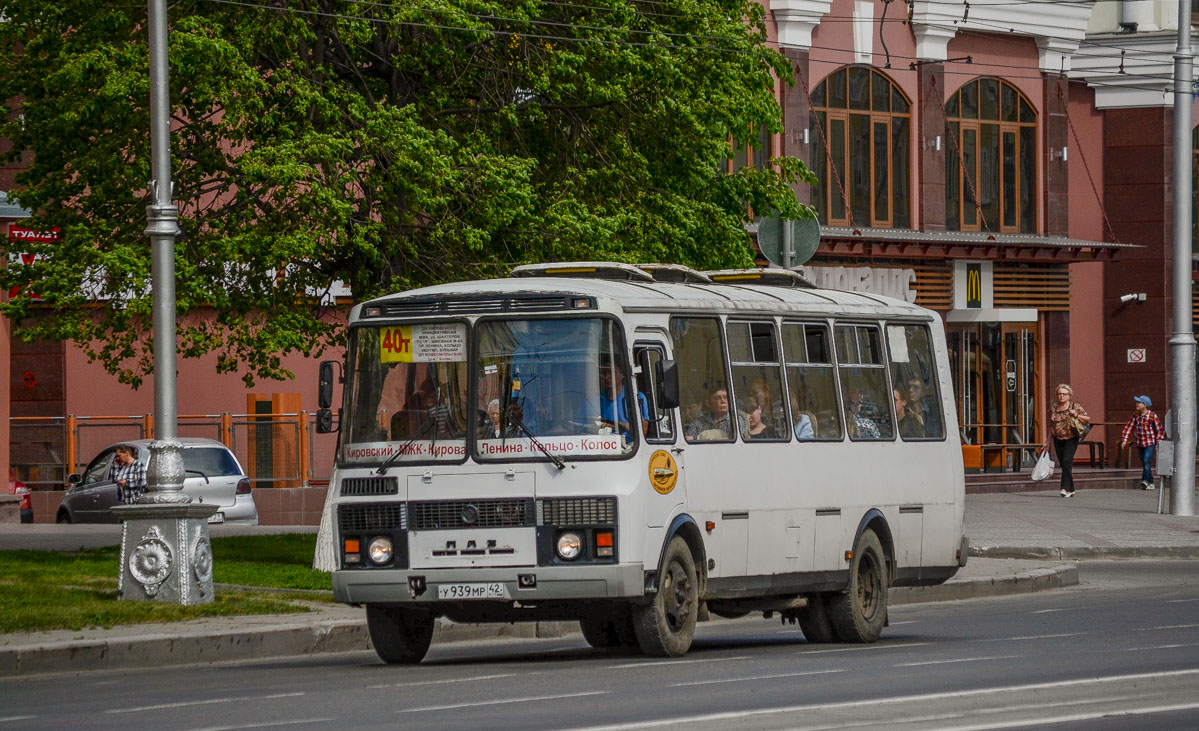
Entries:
{"x":1144,"y":400}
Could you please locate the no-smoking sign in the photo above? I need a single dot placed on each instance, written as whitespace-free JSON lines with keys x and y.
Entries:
{"x":1136,"y":355}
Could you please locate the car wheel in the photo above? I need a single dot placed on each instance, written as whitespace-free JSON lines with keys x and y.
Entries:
{"x":860,"y":612}
{"x":399,"y":635}
{"x":666,"y":626}
{"x":63,"y":517}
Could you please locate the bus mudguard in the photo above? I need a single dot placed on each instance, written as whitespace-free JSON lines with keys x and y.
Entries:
{"x":874,"y":518}
{"x":682,"y":525}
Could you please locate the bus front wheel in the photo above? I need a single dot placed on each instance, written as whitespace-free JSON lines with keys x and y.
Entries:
{"x":666,"y":626}
{"x":607,"y":630}
{"x":400,"y":636}
{"x":814,"y":621}
{"x":859,"y":613}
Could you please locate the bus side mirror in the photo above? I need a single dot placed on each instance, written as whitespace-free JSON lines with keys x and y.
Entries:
{"x":324,"y":391}
{"x":324,"y":421}
{"x":668,"y":384}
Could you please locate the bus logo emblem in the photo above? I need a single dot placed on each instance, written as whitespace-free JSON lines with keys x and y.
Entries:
{"x":663,"y":471}
{"x":469,"y":514}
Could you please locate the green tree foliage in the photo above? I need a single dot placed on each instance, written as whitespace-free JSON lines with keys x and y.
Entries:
{"x":386,"y":145}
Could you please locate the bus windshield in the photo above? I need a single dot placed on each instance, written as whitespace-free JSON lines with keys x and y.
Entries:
{"x":546,"y":389}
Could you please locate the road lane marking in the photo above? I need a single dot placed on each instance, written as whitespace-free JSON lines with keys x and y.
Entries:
{"x":861,"y":648}
{"x":1166,"y":626}
{"x":1154,"y":647}
{"x":502,"y":701}
{"x":1181,"y":601}
{"x":1032,"y":637}
{"x":960,"y":659}
{"x":677,"y":662}
{"x":756,"y":677}
{"x":959,"y":694}
{"x":266,"y":724}
{"x":10,"y":719}
{"x":205,"y":702}
{"x":1047,"y":611}
{"x":1074,"y":717}
{"x":447,"y":680}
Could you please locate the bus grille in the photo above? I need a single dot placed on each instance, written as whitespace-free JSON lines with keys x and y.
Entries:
{"x":505,"y":303}
{"x":499,"y":513}
{"x":359,"y":518}
{"x":352,"y":486}
{"x":577,"y":511}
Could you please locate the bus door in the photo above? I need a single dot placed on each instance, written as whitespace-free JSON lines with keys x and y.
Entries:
{"x":664,"y":471}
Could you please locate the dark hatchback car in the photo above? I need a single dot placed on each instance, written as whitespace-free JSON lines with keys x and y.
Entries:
{"x":213,"y":477}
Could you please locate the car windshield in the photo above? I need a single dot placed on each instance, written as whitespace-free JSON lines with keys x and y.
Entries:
{"x":210,"y":461}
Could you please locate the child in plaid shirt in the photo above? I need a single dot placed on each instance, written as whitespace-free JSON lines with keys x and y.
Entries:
{"x":1146,"y":429}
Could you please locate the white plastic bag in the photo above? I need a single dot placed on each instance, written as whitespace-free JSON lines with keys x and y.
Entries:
{"x":1044,"y":467}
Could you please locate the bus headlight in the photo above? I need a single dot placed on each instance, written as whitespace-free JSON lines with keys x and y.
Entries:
{"x":569,"y":546}
{"x":380,"y":550}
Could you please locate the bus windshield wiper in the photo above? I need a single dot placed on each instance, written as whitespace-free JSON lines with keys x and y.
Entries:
{"x":404,"y":449}
{"x":544,"y":450}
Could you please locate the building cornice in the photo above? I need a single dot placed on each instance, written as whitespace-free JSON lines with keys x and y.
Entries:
{"x":795,"y":20}
{"x":1128,"y":71}
{"x":1058,"y":28}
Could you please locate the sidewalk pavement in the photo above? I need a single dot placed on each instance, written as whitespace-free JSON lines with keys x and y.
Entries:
{"x":1018,"y":544}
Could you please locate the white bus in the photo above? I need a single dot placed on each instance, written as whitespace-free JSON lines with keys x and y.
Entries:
{"x":638,"y":448}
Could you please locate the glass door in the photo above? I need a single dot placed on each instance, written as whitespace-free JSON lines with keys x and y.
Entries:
{"x":995,"y":382}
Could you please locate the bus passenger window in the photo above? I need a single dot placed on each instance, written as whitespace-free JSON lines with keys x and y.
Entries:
{"x":869,"y":406}
{"x":811,"y":385}
{"x":703,"y":382}
{"x":758,"y":381}
{"x":914,"y":375}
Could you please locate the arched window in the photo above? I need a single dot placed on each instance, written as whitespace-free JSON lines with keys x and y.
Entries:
{"x":995,"y":129}
{"x":867,"y":121}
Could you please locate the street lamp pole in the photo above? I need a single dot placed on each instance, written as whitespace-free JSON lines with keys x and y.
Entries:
{"x":164,"y":478}
{"x":1182,"y":343}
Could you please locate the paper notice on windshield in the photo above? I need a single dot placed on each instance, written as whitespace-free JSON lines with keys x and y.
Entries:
{"x":437,"y":343}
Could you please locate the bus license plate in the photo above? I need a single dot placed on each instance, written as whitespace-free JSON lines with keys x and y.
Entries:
{"x":492,"y":590}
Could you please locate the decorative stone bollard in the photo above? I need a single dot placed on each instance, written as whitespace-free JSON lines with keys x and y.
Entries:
{"x":165,"y":552}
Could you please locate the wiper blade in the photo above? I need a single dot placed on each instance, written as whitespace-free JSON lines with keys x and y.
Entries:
{"x":553,"y":457}
{"x":404,"y":449}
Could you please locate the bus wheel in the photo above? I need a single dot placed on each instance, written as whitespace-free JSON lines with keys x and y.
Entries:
{"x":605,"y":630}
{"x":859,"y":613}
{"x":666,"y":626}
{"x":399,"y":635}
{"x":814,"y":621}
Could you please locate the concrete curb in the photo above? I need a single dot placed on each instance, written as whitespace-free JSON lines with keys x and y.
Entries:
{"x":198,"y":648}
{"x":1079,"y":553}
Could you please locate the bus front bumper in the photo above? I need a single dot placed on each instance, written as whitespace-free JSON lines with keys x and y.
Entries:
{"x":518,"y":584}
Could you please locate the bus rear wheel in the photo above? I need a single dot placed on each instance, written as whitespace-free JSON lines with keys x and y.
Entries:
{"x":400,"y":636}
{"x":666,"y":626}
{"x":859,"y":613}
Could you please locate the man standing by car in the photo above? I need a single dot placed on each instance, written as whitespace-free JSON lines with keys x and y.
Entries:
{"x":128,"y":473}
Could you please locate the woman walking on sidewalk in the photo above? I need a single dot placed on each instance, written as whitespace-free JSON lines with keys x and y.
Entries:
{"x":1067,"y":421}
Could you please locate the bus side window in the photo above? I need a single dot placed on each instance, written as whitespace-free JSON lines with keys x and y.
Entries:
{"x":661,"y":420}
{"x":914,"y":382}
{"x":703,"y":383}
{"x":869,"y":406}
{"x":758,"y":382}
{"x":811,"y":384}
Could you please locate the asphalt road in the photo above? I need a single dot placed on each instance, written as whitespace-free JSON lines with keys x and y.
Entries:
{"x":1119,"y":651}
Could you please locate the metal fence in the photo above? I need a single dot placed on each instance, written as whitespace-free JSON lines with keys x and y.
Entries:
{"x":275,"y":449}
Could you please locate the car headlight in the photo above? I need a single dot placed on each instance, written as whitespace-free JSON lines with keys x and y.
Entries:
{"x":569,"y":545}
{"x":380,"y":550}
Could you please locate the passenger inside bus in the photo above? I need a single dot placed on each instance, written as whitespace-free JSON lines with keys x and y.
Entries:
{"x":716,"y":421}
{"x":773,"y":416}
{"x":911,"y":422}
{"x":861,"y":426}
{"x":752,"y":425}
{"x":613,"y":404}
